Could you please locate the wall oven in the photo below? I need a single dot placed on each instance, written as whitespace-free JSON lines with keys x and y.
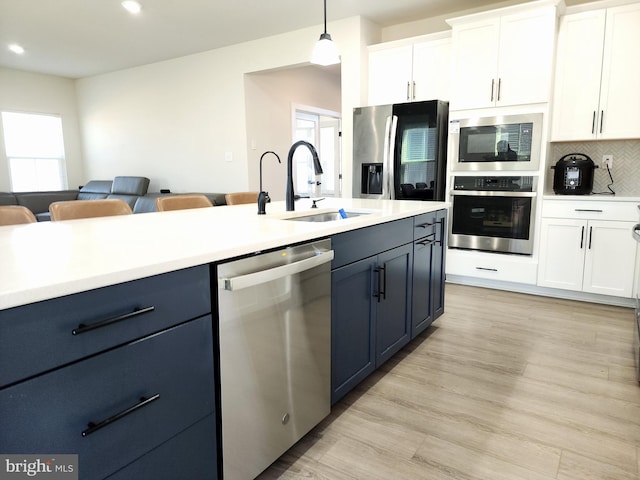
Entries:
{"x":506,"y":142}
{"x":493,"y":213}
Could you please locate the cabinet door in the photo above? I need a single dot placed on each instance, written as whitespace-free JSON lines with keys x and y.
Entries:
{"x":352,"y":326}
{"x":610,"y":258}
{"x":393,"y":323}
{"x":525,"y":57}
{"x":432,"y":70}
{"x":620,"y":92}
{"x":422,"y":292}
{"x":438,"y":263}
{"x":390,"y":75}
{"x":475,"y":59}
{"x":577,"y":83}
{"x":562,"y":251}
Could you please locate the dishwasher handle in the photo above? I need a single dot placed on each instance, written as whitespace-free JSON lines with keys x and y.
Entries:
{"x":264,"y":276}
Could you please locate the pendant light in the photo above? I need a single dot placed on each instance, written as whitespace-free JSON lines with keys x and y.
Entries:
{"x":325,"y":52}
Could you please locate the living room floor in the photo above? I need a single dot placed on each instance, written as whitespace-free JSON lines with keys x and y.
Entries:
{"x":502,"y":386}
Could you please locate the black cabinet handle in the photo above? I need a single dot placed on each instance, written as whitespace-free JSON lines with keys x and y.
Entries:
{"x":493,"y":84}
{"x":601,"y":119}
{"x":82,"y":328}
{"x":93,"y":427}
{"x":425,"y":225}
{"x":382,"y":281}
{"x":499,"y":87}
{"x":487,"y":269}
{"x":582,"y":238}
{"x":408,"y":91}
{"x":593,"y":123}
{"x":425,"y":243}
{"x":590,"y":236}
{"x":588,"y":210}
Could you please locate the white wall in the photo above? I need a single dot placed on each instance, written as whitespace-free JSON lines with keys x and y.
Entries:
{"x":270,"y":97}
{"x":174,"y":121}
{"x":34,"y":93}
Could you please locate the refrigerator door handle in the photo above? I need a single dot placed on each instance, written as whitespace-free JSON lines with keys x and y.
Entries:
{"x":391,"y":158}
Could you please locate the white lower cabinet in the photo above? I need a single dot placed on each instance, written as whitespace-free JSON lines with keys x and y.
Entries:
{"x":593,"y":256}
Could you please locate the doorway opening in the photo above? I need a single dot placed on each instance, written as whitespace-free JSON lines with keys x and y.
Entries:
{"x":321,"y":128}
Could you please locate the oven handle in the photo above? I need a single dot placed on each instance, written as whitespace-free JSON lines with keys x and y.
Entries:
{"x":482,"y":193}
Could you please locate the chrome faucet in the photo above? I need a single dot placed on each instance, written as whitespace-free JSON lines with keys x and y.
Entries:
{"x":316,"y":166}
{"x":263,"y":197}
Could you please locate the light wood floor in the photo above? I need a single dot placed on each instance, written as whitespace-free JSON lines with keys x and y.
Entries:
{"x":503,"y":386}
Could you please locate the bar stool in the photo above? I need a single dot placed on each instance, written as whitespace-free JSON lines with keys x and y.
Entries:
{"x":238,"y":198}
{"x":15,"y":215}
{"x":182,"y":202}
{"x":74,"y":209}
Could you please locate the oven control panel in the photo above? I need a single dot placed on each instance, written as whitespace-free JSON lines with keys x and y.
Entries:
{"x":495,"y":183}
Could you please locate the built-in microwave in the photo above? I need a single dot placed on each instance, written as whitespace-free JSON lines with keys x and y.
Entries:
{"x":507,"y":142}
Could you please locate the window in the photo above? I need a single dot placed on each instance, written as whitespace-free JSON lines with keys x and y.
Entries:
{"x":35,"y":151}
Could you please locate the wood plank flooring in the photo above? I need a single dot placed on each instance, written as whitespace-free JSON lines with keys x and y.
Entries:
{"x":504,"y":386}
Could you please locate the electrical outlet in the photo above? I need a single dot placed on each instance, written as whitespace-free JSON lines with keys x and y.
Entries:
{"x":607,"y":161}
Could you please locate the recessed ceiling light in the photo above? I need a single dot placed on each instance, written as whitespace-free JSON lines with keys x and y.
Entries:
{"x":132,"y":6}
{"x":17,"y":49}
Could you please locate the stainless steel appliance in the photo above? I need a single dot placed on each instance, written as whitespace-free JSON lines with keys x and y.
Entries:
{"x":573,"y":175}
{"x":636,"y":326}
{"x":508,"y":142}
{"x":493,"y":214}
{"x":400,"y":151}
{"x":275,"y":353}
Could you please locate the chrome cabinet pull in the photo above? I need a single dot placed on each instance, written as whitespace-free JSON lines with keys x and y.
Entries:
{"x":94,"y":427}
{"x":414,"y":90}
{"x":82,"y":328}
{"x":408,"y":91}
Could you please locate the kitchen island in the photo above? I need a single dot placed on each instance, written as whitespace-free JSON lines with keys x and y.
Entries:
{"x":116,"y":317}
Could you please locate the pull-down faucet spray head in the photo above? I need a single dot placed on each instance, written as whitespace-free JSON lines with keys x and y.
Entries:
{"x":316,"y":166}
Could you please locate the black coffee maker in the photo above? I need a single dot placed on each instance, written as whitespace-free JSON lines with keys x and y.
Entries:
{"x":573,"y":175}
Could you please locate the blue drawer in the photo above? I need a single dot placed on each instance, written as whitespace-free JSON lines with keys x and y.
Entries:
{"x":40,"y":336}
{"x":53,"y":413}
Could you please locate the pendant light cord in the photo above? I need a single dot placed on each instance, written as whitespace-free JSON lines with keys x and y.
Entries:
{"x":325,"y":16}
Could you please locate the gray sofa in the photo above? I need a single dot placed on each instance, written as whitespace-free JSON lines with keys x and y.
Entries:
{"x":132,"y":190}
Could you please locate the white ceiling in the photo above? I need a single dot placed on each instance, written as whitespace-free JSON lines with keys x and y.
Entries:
{"x":79,"y":38}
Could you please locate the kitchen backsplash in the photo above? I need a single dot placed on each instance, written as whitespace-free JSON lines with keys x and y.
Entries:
{"x":625,"y":170}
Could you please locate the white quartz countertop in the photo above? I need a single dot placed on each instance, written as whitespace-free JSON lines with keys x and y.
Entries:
{"x":51,"y":259}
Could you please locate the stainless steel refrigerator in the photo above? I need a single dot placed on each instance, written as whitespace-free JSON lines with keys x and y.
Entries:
{"x":400,"y":151}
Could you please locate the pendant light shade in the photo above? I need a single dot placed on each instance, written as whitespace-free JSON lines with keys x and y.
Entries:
{"x":325,"y":52}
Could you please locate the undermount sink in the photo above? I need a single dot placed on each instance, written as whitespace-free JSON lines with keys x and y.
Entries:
{"x":326,"y":216}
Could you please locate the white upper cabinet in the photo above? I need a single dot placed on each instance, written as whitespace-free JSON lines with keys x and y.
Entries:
{"x":597,"y":87}
{"x":503,"y":59}
{"x":409,"y":72}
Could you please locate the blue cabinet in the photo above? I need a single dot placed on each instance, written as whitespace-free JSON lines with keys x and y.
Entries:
{"x":428,"y":270}
{"x":370,"y":301}
{"x":387,"y":286}
{"x":114,"y":375}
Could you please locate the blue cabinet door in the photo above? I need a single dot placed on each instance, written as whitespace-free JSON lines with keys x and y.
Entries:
{"x":438,"y":263}
{"x":353,"y":319}
{"x":422,"y":294}
{"x":393,"y":324}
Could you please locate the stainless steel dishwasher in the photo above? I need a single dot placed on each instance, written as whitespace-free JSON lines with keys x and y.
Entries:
{"x":275,"y":353}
